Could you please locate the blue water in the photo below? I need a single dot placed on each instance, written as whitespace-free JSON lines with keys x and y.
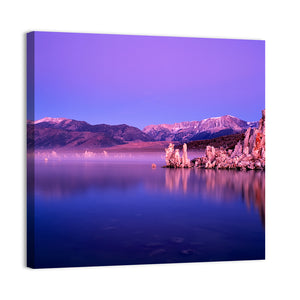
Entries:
{"x":94,"y":213}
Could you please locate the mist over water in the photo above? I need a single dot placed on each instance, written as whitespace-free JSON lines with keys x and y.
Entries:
{"x":106,"y":155}
{"x":121,"y":211}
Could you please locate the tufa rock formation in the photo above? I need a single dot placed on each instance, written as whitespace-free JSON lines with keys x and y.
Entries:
{"x":173,"y":159}
{"x":248,"y":154}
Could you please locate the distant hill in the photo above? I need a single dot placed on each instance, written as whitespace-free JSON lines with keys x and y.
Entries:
{"x":227,"y":142}
{"x":50,"y":133}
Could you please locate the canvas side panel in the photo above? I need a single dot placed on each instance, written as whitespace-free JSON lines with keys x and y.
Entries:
{"x":30,"y":149}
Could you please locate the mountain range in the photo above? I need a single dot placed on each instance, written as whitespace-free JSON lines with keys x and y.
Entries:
{"x":198,"y":130}
{"x":49,"y":133}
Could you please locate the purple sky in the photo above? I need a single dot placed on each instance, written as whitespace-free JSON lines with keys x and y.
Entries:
{"x":142,"y":80}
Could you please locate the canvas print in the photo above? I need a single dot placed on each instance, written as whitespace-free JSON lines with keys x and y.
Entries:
{"x":144,"y":149}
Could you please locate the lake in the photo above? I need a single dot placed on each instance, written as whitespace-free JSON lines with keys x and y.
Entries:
{"x":100,"y":212}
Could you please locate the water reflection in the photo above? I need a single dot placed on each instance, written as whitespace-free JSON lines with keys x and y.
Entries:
{"x":104,"y":213}
{"x":56,"y":180}
{"x":177,"y":179}
{"x":220,"y":185}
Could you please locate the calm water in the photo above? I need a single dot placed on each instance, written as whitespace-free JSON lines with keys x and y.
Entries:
{"x":89,"y":213}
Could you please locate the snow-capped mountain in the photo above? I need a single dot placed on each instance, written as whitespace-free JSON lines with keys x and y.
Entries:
{"x":198,"y":130}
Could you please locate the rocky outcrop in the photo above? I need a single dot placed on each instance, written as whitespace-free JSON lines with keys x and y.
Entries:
{"x":173,"y":159}
{"x":248,"y":154}
{"x":185,"y":161}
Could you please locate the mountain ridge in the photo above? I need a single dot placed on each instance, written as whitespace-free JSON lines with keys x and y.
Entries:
{"x":60,"y":132}
{"x":48,"y":132}
{"x":198,"y":130}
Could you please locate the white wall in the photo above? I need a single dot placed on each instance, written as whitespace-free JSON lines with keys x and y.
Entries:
{"x":275,"y":21}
